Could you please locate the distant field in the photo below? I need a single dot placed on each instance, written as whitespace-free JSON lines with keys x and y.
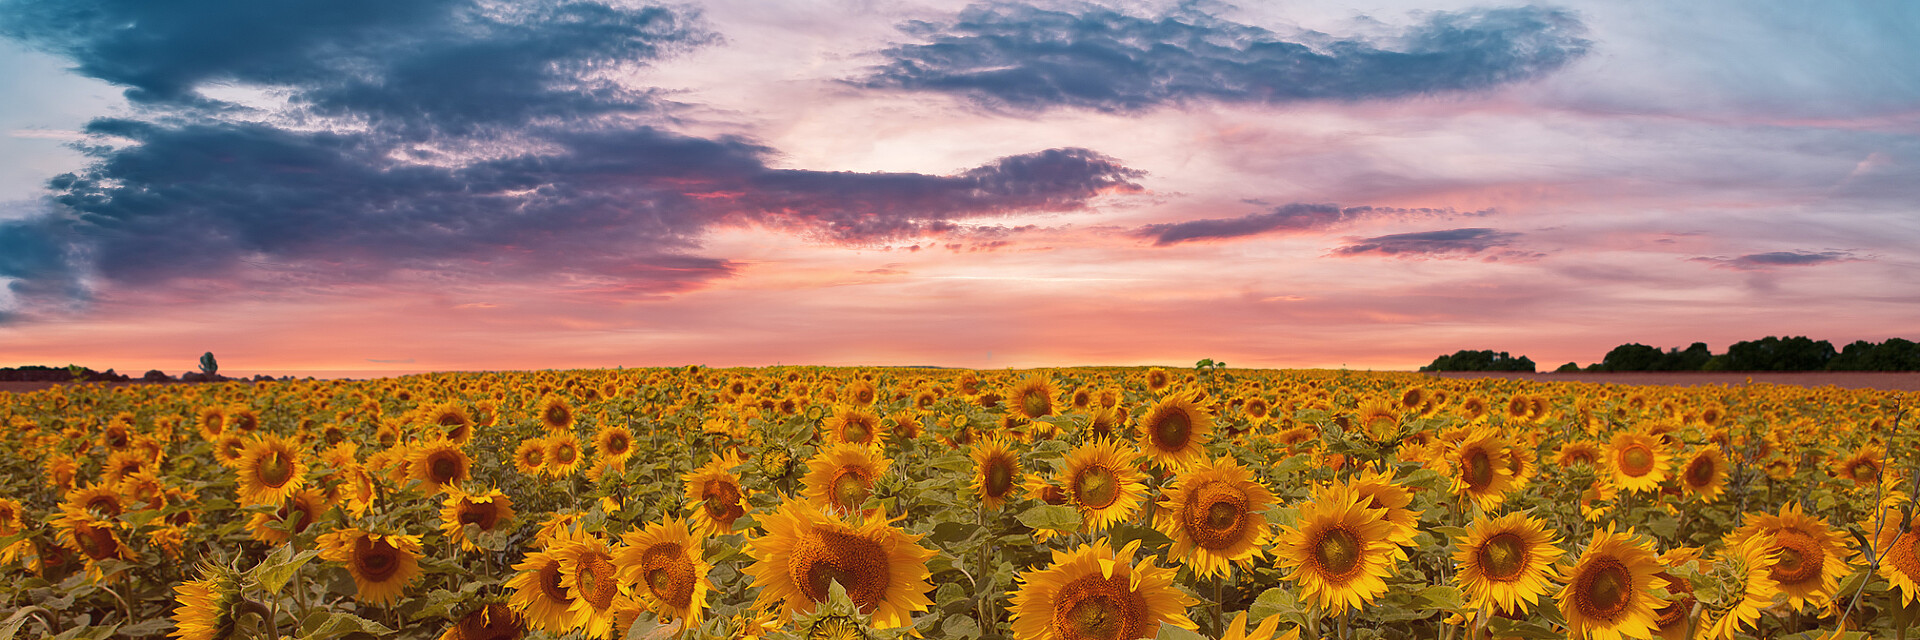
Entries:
{"x":1888,"y":381}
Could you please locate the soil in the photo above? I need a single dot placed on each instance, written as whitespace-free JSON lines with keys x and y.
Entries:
{"x":1884,"y":380}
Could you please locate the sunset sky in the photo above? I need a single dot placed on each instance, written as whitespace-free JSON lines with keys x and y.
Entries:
{"x":314,"y":186}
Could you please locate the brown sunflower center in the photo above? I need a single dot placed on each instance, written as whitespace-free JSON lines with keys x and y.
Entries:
{"x":533,"y":457}
{"x":550,"y":585}
{"x":858,"y":430}
{"x":594,"y":579}
{"x":104,"y":504}
{"x":850,"y":488}
{"x":1604,"y":590}
{"x":1864,"y":472}
{"x":1035,"y":403}
{"x":722,"y":500}
{"x":481,"y":514}
{"x":276,"y":469}
{"x":1215,"y":514}
{"x":557,"y":415}
{"x":443,"y":468}
{"x":493,"y":622}
{"x":1636,"y":460}
{"x":1337,"y":553}
{"x":669,"y":574}
{"x":376,"y":560}
{"x":1053,"y":495}
{"x":1097,"y":608}
{"x":1800,"y":557}
{"x":1478,"y":468}
{"x":1096,"y":487}
{"x":564,"y":453}
{"x":998,"y":477}
{"x":1503,"y":557}
{"x":617,"y":444}
{"x":825,"y":557}
{"x":1700,"y":472}
{"x":1172,"y":431}
{"x":97,"y":542}
{"x":1904,"y":554}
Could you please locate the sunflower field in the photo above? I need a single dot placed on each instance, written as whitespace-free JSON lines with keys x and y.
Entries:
{"x":881,"y":503}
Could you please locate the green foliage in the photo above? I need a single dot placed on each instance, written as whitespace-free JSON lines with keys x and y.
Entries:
{"x":208,"y":365}
{"x":1480,"y":361}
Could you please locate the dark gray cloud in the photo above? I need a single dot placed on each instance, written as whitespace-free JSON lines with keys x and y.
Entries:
{"x":1022,"y":57}
{"x":423,"y":65}
{"x":1429,"y":243}
{"x":442,"y":136}
{"x":1289,"y":218}
{"x":1774,"y":259}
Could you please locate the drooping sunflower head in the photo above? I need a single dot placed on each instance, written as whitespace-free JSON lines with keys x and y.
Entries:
{"x":293,"y":518}
{"x":1748,"y":566}
{"x":491,"y":621}
{"x":1637,"y":462}
{"x":842,"y":476}
{"x":1213,"y":513}
{"x":854,"y":424}
{"x":1379,"y":491}
{"x":382,"y":565}
{"x":1175,"y":432}
{"x":1609,"y":593}
{"x":883,"y":569}
{"x":1095,"y":593}
{"x":663,"y":561}
{"x":996,"y":472}
{"x":270,"y":470}
{"x":439,"y":465}
{"x":1032,"y":397}
{"x":1506,"y":563}
{"x":1102,"y":482}
{"x":1577,"y":452}
{"x":204,"y":606}
{"x":1863,"y":467}
{"x":1339,"y":553}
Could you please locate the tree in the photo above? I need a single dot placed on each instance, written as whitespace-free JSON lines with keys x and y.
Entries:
{"x":1797,"y":353}
{"x":1631,"y":357}
{"x":208,"y":365}
{"x":1465,"y":360}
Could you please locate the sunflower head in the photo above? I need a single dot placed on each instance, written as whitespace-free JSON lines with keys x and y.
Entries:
{"x":664,"y":561}
{"x":1811,"y":556}
{"x":270,"y":470}
{"x":491,"y":621}
{"x":842,"y":476}
{"x":1609,"y":593}
{"x":806,"y":550}
{"x":1175,"y":431}
{"x":716,"y":495}
{"x":996,"y":472}
{"x":1340,"y":552}
{"x":440,"y":465}
{"x":1213,"y":513}
{"x":1480,"y":468}
{"x":381,"y":565}
{"x":487,"y":512}
{"x":1100,"y":479}
{"x":1506,"y":563}
{"x":555,"y":414}
{"x":1032,"y":397}
{"x":203,"y":607}
{"x":1637,"y":462}
{"x":854,"y":424}
{"x":1096,"y":593}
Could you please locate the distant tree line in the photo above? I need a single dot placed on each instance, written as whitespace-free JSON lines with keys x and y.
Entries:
{"x":1480,"y":361}
{"x":1796,"y":353}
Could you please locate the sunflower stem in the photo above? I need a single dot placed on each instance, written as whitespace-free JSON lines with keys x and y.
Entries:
{"x":986,"y":617}
{"x":1346,"y":624}
{"x":1219,"y":604}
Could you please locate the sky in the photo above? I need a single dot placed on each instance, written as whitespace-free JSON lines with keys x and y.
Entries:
{"x":363,"y":186}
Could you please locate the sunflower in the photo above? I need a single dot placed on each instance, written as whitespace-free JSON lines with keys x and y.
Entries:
{"x":842,"y":476}
{"x":1900,"y":553}
{"x":1237,"y":630}
{"x":1812,"y":557}
{"x":1506,"y":563}
{"x":531,"y":456}
{"x":1032,"y":397}
{"x":454,"y":423}
{"x":1637,"y":462}
{"x":996,"y":471}
{"x":204,"y":608}
{"x":1340,"y":553}
{"x":1380,"y":492}
{"x":854,"y":425}
{"x":492,"y":621}
{"x":1480,"y":469}
{"x":716,"y":495}
{"x":593,"y":583}
{"x":485,"y":511}
{"x":1863,"y":467}
{"x":1213,"y":513}
{"x":1174,"y":433}
{"x":1705,"y":475}
{"x":664,"y":560}
{"x":10,"y":524}
{"x":613,"y":444}
{"x":61,"y":470}
{"x":439,"y":465}
{"x":563,"y":455}
{"x":270,"y":470}
{"x":1092,"y":593}
{"x":1158,"y":379}
{"x":382,"y":565}
{"x":293,"y":518}
{"x":1609,"y":594}
{"x":555,"y":414}
{"x":1102,"y":482}
{"x":1752,"y":562}
{"x":91,"y":536}
{"x":212,"y":422}
{"x":538,"y":594}
{"x":100,"y":500}
{"x":882,"y":569}
{"x":1379,"y":419}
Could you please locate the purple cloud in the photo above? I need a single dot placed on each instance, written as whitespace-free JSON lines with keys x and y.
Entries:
{"x":1290,"y":218}
{"x":1429,"y":243}
{"x":1775,"y":259}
